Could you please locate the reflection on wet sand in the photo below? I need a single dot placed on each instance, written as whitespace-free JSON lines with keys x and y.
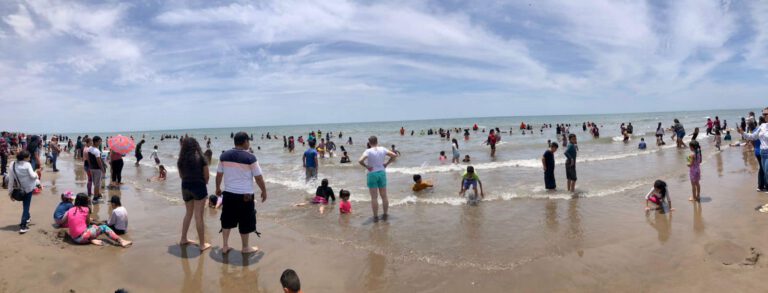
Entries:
{"x":375,"y":276}
{"x":193,"y":281}
{"x":698,"y":221}
{"x":550,"y":215}
{"x":662,"y":222}
{"x":719,"y":161}
{"x":472,"y":221}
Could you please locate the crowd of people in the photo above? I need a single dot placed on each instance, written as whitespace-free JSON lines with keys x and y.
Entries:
{"x":238,"y":169}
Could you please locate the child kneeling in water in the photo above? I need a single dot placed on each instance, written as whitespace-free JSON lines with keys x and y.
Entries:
{"x":658,"y":195}
{"x":470,"y":179}
{"x":323,"y":193}
{"x":345,"y":207}
{"x":80,"y":228}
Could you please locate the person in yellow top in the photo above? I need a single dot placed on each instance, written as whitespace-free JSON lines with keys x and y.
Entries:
{"x":419,"y":184}
{"x":470,"y":179}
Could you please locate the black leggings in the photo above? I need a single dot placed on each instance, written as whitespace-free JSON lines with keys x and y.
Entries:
{"x":117,"y":170}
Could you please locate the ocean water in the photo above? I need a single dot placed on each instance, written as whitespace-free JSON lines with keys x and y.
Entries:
{"x":606,"y":165}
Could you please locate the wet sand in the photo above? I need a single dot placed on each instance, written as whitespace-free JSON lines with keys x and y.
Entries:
{"x":602,"y":244}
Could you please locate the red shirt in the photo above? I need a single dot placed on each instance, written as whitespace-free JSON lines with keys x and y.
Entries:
{"x":345,"y":207}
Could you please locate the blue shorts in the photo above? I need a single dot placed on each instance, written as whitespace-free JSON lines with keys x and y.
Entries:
{"x":377,"y":179}
{"x":470,"y":183}
{"x":680,"y":134}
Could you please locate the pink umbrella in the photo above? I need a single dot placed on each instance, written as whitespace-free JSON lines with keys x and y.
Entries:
{"x":121,"y":144}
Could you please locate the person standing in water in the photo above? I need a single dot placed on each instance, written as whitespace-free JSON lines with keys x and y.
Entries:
{"x":455,"y":150}
{"x":548,"y":162}
{"x":492,"y":142}
{"x":373,"y":161}
{"x":570,"y":162}
{"x":680,"y":132}
{"x":137,"y":153}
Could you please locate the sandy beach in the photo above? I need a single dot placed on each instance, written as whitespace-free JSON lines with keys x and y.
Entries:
{"x":604,"y":244}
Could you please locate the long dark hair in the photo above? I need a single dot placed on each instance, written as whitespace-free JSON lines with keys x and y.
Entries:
{"x":191,"y":157}
{"x":658,"y":127}
{"x":82,"y":201}
{"x":696,"y":149}
{"x":34,"y":144}
{"x":456,"y":143}
{"x":661,"y":185}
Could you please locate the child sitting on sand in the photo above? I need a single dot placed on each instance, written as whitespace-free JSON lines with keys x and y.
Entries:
{"x":118,"y":220}
{"x":470,"y":179}
{"x":161,"y":175}
{"x":420,"y":184}
{"x":727,"y":136}
{"x":642,"y":144}
{"x":66,"y":203}
{"x":80,"y":228}
{"x":466,"y":159}
{"x":442,"y":157}
{"x":658,"y":195}
{"x":345,"y":207}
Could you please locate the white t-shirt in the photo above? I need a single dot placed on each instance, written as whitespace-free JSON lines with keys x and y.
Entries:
{"x":119,"y":218}
{"x":376,"y":157}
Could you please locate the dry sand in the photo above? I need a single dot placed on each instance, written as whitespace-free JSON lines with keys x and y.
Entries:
{"x":706,"y":248}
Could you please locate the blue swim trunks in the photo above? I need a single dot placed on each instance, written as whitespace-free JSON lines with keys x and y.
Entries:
{"x":377,"y":179}
{"x":470,"y":183}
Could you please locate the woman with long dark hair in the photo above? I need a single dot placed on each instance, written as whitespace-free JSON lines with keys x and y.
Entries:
{"x":33,"y":146}
{"x":193,"y":170}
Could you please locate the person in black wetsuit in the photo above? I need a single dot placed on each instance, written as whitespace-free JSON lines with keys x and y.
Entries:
{"x":138,"y":152}
{"x":548,"y":162}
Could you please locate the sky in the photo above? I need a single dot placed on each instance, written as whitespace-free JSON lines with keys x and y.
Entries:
{"x":169,"y":64}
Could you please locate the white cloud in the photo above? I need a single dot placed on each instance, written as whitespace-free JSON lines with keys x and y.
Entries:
{"x":757,"y":50}
{"x":195,"y":56}
{"x":21,"y":22}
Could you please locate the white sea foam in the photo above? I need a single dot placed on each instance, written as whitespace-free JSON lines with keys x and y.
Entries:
{"x":530,"y":163}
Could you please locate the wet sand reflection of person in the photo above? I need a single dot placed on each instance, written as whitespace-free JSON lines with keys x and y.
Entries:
{"x":375,"y":274}
{"x":698,"y":220}
{"x":719,"y":160}
{"x":193,"y":282}
{"x":472,"y":221}
{"x":550,"y":215}
{"x":662,"y":222}
{"x":575,"y":231}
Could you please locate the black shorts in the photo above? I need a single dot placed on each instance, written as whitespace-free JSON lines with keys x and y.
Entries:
{"x":236,"y":212}
{"x":570,"y":171}
{"x":193,"y":190}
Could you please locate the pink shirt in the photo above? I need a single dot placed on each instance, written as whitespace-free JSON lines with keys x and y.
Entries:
{"x":345,"y":207}
{"x":77,"y":219}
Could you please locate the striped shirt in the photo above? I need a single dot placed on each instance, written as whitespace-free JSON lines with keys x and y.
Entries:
{"x":239,"y":167}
